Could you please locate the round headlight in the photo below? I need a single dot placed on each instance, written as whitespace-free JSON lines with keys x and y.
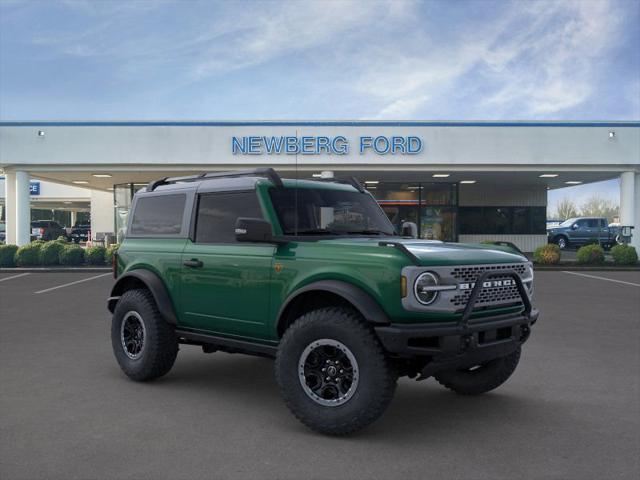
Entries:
{"x":423,"y":288}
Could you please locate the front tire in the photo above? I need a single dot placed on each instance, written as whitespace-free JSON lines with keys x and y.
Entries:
{"x":562,"y":242}
{"x":480,"y":379}
{"x":144,"y":345}
{"x":333,"y":373}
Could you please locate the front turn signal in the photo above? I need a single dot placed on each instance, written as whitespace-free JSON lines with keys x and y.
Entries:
{"x":403,"y":286}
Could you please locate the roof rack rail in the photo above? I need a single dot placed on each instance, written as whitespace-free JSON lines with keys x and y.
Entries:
{"x":353,"y":181}
{"x":270,"y":173}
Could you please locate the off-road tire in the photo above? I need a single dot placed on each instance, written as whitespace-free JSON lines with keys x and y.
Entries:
{"x":559,"y":241}
{"x":160,"y":342}
{"x":377,"y":375}
{"x":482,"y":379}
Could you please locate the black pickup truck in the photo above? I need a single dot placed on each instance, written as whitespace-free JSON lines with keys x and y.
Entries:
{"x":583,"y":230}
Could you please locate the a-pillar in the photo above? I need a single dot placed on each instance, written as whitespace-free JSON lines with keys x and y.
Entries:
{"x":10,"y":207}
{"x":22,"y":208}
{"x":630,"y":204}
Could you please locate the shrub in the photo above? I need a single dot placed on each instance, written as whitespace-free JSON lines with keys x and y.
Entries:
{"x":624,"y":255}
{"x":590,"y":254}
{"x":8,"y":255}
{"x":50,"y":253}
{"x":62,"y":239}
{"x":72,"y":255}
{"x":29,"y":255}
{"x":108,"y":254}
{"x":95,"y":255}
{"x":547,"y":254}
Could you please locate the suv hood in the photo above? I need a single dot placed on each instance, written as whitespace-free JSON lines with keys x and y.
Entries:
{"x":433,"y":253}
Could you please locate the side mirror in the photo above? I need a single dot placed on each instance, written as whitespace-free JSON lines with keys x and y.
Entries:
{"x":409,"y":229}
{"x":253,"y":230}
{"x":574,"y":226}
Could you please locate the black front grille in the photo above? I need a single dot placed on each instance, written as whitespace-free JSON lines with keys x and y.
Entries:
{"x":489,"y":296}
{"x":470,"y":273}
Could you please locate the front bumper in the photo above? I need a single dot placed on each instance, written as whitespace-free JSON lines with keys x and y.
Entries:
{"x":466,"y":343}
{"x":449,"y":346}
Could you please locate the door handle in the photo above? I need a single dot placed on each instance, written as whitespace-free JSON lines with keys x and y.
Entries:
{"x":193,"y":263}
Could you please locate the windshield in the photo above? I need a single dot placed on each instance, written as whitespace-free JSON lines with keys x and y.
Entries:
{"x":329,"y":212}
{"x":568,"y":222}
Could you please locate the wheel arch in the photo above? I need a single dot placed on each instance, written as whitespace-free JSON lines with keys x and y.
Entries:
{"x":141,"y":278}
{"x":329,"y":293}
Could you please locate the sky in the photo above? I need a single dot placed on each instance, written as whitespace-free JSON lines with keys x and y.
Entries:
{"x":387,"y":60}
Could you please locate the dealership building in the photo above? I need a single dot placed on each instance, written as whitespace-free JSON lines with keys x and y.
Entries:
{"x":457,"y":181}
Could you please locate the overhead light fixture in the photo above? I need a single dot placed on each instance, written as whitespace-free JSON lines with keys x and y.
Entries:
{"x":371,"y":182}
{"x":440,"y":175}
{"x":612,"y":134}
{"x":41,"y":133}
{"x":573,"y":182}
{"x":414,"y":187}
{"x":317,"y":175}
{"x":80,"y":182}
{"x":369,"y":187}
{"x":467,"y":181}
{"x":101,"y":175}
{"x":549,"y":175}
{"x":67,"y":203}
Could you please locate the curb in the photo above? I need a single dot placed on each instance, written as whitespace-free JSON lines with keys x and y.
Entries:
{"x":55,"y":269}
{"x":592,"y":268}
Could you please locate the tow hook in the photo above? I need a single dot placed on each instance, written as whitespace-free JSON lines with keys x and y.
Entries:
{"x":524,"y":333}
{"x":468,"y":342}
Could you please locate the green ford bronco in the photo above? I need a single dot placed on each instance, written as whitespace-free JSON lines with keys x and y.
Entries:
{"x":313,"y":274}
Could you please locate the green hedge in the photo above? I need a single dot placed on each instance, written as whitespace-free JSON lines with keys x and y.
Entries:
{"x":50,"y":253}
{"x":95,"y":255}
{"x":590,"y":254}
{"x":8,"y":255}
{"x":29,"y":255}
{"x":547,"y":254}
{"x":72,"y":255}
{"x":624,"y":255}
{"x":108,"y":254}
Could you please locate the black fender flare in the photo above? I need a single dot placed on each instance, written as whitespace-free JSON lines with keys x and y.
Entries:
{"x":154,"y":284}
{"x":361,"y":300}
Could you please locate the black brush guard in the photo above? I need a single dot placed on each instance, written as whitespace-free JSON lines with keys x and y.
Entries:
{"x":469,"y":342}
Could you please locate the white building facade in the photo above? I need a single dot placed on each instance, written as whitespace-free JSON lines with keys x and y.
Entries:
{"x":458,"y":181}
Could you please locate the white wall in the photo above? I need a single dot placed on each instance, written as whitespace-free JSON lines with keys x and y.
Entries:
{"x":102,"y":212}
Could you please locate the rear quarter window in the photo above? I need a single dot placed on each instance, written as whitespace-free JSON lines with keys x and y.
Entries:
{"x":158,"y":215}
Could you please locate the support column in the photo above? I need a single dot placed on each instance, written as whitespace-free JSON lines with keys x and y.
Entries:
{"x":22,"y":208}
{"x":74,"y":216}
{"x":629,"y":204}
{"x":10,"y":206}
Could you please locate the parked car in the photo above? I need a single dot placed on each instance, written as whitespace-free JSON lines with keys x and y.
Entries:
{"x":47,"y":230}
{"x":313,"y":274}
{"x":80,"y":232}
{"x":582,"y":230}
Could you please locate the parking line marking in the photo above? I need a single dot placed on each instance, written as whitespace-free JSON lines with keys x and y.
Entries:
{"x":14,"y":276}
{"x":603,"y":278}
{"x":72,"y":283}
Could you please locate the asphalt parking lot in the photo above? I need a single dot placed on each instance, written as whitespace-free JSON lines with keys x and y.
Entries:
{"x":570,"y":411}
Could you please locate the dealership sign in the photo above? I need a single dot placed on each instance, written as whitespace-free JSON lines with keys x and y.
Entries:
{"x":321,"y":145}
{"x":34,"y":188}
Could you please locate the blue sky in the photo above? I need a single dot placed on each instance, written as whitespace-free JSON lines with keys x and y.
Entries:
{"x":478,"y":59}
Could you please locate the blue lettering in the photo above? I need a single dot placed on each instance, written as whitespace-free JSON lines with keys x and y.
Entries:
{"x":414,"y":145}
{"x":254,"y":146}
{"x":308,"y":146}
{"x":273,"y":144}
{"x":237,"y":147}
{"x":340,"y":145}
{"x":291,"y":145}
{"x":323,"y":145}
{"x":397,"y":144}
{"x":365,"y":142}
{"x":376,"y":145}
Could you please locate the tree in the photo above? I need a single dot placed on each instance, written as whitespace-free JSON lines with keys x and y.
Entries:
{"x":596,"y":206}
{"x":565,"y":209}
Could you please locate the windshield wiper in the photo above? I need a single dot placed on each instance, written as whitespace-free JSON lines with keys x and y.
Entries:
{"x":317,"y":231}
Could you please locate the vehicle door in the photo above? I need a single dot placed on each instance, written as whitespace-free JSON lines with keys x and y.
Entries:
{"x":224,"y":283}
{"x":579,"y":232}
{"x":603,"y":228}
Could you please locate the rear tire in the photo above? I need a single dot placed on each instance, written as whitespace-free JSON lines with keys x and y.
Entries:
{"x":144,"y":345}
{"x":481,"y":379}
{"x":360,"y":381}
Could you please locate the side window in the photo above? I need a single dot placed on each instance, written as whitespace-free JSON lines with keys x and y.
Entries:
{"x":593,"y":223}
{"x":158,"y":215}
{"x":581,"y":223}
{"x":218,"y":212}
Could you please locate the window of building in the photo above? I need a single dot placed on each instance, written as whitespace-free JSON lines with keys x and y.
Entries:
{"x":158,"y":215}
{"x":502,"y":220}
{"x":218,"y":213}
